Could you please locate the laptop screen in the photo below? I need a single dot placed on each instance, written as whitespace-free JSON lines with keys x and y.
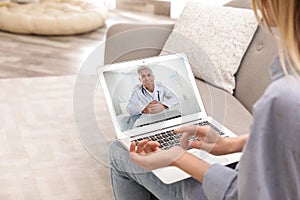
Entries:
{"x":143,"y":93}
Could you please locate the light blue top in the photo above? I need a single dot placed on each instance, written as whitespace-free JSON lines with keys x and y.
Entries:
{"x":141,"y":97}
{"x":270,"y":165}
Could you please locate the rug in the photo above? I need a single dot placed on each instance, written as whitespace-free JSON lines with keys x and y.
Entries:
{"x":42,"y":154}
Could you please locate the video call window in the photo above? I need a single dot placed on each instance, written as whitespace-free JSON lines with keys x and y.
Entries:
{"x":129,"y":93}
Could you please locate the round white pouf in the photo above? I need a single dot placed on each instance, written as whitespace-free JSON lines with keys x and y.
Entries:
{"x":52,"y":17}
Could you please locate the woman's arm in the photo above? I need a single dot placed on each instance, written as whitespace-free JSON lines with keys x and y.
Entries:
{"x":210,"y":141}
{"x":236,"y":144}
{"x":147,"y":153}
{"x":192,"y":165}
{"x":197,"y":167}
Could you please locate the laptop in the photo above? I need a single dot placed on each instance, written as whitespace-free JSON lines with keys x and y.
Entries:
{"x":174,"y":72}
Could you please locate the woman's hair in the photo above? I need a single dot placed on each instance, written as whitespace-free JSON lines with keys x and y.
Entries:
{"x":285,"y":15}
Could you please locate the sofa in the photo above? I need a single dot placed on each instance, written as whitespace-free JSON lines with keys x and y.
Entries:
{"x":128,"y":41}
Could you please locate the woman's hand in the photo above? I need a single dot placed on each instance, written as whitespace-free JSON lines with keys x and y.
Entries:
{"x":148,"y":155}
{"x":209,"y":140}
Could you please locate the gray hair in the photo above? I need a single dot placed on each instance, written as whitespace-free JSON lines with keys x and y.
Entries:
{"x":144,"y":67}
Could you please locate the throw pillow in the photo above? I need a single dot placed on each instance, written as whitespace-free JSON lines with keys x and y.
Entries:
{"x":214,"y":39}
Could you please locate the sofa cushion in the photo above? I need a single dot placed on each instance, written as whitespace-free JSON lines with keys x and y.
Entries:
{"x":214,"y":41}
{"x":256,"y":62}
{"x":240,"y":4}
{"x":122,"y":35}
{"x":263,"y":48}
{"x":225,"y":108}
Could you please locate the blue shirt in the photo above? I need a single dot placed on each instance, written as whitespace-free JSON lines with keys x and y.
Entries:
{"x":270,"y":165}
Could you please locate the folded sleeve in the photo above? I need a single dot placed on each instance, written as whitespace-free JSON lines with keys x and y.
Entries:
{"x":220,"y":183}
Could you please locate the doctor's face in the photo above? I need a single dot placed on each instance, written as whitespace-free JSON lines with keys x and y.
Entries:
{"x":147,"y":78}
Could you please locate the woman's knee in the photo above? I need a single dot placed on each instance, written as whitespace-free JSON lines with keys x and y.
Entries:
{"x":117,"y":151}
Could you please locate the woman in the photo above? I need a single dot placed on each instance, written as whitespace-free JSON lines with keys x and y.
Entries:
{"x":270,"y":165}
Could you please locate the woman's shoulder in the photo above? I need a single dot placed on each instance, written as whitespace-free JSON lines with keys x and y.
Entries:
{"x":277,"y":111}
{"x":282,"y":95}
{"x":285,"y":91}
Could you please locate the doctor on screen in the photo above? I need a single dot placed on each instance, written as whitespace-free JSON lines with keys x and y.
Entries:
{"x":150,"y":97}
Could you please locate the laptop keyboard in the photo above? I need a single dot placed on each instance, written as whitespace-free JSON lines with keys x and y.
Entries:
{"x":169,"y":139}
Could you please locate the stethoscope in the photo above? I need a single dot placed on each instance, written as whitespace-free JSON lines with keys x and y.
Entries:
{"x":145,"y":92}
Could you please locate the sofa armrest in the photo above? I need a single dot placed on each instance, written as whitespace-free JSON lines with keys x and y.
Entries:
{"x":132,"y":41}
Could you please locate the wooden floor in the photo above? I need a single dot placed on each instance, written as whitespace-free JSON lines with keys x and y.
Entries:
{"x":42,"y":155}
{"x":33,"y":55}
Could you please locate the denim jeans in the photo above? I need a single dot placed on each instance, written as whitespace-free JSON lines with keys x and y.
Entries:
{"x":131,"y":182}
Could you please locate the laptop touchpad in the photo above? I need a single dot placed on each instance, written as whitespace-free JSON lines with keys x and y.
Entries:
{"x":211,"y":159}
